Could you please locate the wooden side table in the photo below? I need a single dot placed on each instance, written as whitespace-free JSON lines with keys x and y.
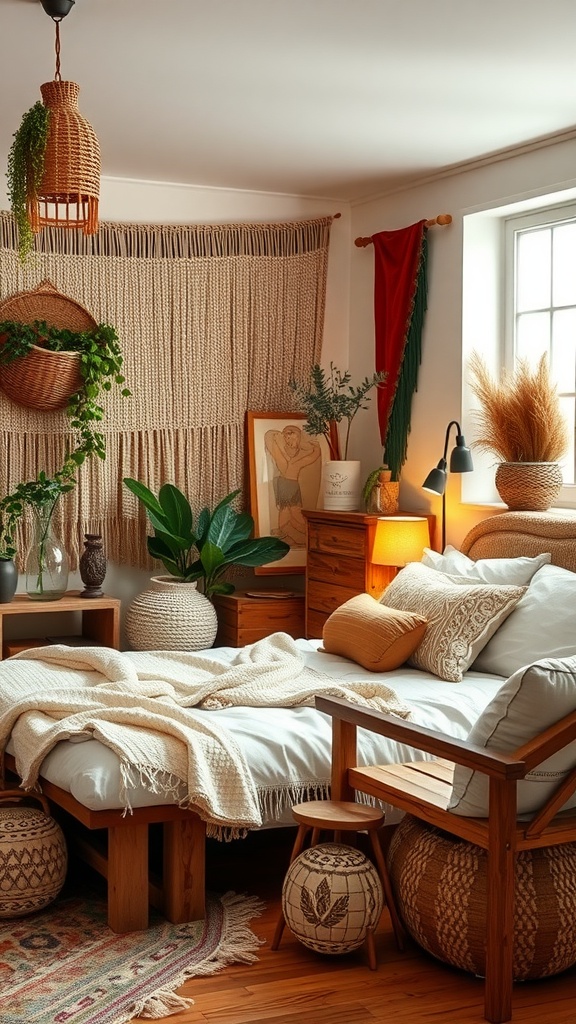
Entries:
{"x":338,"y":564}
{"x":100,"y":619}
{"x":243,"y":620}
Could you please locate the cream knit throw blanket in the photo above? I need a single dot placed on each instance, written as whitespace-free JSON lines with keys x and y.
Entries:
{"x":142,"y":705}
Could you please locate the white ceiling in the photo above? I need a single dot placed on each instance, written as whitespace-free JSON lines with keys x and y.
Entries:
{"x":337,"y":98}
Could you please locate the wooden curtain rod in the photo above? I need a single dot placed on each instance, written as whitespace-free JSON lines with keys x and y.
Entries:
{"x":442,"y":219}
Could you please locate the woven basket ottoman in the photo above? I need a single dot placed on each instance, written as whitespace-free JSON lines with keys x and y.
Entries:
{"x":439,"y":882}
{"x":33,"y":855}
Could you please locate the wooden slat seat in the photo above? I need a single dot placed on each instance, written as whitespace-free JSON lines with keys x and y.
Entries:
{"x":423,"y":789}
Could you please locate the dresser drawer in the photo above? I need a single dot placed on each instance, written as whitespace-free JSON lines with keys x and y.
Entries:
{"x":243,"y":620}
{"x":337,"y":540}
{"x":344,"y":571}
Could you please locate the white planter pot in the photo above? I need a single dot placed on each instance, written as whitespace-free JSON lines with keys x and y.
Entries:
{"x":171,"y":615}
{"x":341,"y":484}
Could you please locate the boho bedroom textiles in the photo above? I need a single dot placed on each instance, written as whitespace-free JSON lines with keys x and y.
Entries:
{"x":213,"y":320}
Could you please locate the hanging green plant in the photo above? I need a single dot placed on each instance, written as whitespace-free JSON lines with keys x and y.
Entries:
{"x":100,"y":366}
{"x":25,"y":170}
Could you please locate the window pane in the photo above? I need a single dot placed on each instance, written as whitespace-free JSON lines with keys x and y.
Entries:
{"x":532,"y":336}
{"x":564,"y":247}
{"x":533,"y":269}
{"x":563,"y":363}
{"x":568,"y":406}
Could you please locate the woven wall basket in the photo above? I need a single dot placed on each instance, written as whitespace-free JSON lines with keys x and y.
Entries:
{"x":440,"y":887}
{"x":528,"y":486}
{"x":33,"y":856}
{"x":42,"y":379}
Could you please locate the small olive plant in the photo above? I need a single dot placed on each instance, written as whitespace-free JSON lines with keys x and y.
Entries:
{"x":25,"y":171}
{"x":329,"y":399}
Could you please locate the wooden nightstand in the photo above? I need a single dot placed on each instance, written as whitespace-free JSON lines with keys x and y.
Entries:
{"x":100,"y":620}
{"x":338,"y":564}
{"x":243,"y":620}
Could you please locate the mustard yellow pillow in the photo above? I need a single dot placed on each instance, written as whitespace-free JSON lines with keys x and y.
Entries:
{"x":378,"y":638}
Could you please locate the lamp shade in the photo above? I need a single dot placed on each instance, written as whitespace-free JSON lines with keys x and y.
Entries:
{"x":461,"y":457}
{"x":436,"y":479}
{"x":400,"y":539}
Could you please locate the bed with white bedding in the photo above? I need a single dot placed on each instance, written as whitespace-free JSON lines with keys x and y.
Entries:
{"x":287,"y":750}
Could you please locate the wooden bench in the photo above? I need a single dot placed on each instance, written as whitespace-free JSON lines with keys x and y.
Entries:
{"x":124,"y":861}
{"x":423,"y":789}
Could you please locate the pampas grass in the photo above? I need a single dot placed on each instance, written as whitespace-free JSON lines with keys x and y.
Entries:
{"x":520,"y":418}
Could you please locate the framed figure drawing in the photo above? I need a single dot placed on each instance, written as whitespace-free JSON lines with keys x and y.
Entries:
{"x":285,"y":473}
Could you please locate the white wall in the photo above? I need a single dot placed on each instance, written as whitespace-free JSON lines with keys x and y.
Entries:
{"x":157,"y":202}
{"x":439,"y":398}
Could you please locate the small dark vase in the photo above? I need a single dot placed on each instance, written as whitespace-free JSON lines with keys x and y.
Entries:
{"x":8,"y":580}
{"x":92,"y":565}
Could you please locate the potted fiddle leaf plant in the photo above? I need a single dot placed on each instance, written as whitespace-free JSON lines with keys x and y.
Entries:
{"x":196,"y":552}
{"x":520,"y":421}
{"x":331,"y":403}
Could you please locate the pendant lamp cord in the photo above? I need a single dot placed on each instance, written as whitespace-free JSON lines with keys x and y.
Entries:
{"x":57,"y":76}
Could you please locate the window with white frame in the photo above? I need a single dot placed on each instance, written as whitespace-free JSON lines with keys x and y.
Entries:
{"x":541,"y":303}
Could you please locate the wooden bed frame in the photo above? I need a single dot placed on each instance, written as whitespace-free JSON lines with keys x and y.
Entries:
{"x":181,"y":892}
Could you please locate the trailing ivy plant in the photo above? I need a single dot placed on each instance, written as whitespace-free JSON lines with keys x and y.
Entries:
{"x":100,"y":367}
{"x":25,"y":170}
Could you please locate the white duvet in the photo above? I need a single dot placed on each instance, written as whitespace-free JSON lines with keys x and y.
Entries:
{"x":288,"y":750}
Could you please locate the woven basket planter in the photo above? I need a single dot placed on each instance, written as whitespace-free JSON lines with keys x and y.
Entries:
{"x":33,"y":856}
{"x":42,"y":379}
{"x":440,"y":887}
{"x":170,"y":615}
{"x":528,"y":486}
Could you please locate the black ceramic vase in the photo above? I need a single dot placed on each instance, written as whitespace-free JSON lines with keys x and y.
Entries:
{"x":8,"y":580}
{"x":92,"y":565}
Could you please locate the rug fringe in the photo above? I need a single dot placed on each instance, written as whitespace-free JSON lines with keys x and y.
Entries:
{"x":238,"y":944}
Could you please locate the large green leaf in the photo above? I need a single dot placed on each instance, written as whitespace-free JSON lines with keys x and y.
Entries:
{"x":227,"y":527}
{"x":257,"y":551}
{"x":177,"y":511}
{"x":144,"y":494}
{"x":212,"y":557}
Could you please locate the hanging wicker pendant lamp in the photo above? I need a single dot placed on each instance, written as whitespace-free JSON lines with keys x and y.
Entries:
{"x":69,"y":190}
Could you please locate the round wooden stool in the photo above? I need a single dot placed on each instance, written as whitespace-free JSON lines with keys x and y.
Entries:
{"x":339,"y":817}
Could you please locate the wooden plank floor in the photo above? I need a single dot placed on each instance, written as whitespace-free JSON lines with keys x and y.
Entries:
{"x":297,"y":986}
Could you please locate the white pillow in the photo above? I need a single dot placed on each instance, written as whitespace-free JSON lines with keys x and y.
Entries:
{"x":517,"y":571}
{"x":533,"y":699}
{"x":462,"y":616}
{"x":543,"y":625}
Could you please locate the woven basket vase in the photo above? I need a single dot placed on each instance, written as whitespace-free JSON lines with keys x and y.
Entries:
{"x":170,"y":615}
{"x":528,"y":486}
{"x":440,"y":887}
{"x":42,"y":379}
{"x":33,"y":856}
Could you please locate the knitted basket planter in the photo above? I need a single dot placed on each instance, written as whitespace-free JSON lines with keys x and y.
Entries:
{"x":528,"y":486}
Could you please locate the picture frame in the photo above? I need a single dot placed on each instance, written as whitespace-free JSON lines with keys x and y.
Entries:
{"x":285,"y":475}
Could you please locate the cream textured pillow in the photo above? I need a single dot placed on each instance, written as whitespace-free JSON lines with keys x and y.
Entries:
{"x":534,"y":698}
{"x":518,"y":571}
{"x":373,"y":636}
{"x":462,"y":616}
{"x":543,"y":625}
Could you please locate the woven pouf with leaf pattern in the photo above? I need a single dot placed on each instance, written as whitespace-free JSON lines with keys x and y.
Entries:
{"x":331,"y":896}
{"x":33,"y":855}
{"x":440,"y":883}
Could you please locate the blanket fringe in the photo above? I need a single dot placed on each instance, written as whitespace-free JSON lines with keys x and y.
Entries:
{"x":238,"y":944}
{"x":274,"y":804}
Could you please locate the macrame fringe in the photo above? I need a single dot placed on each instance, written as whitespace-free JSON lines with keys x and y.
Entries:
{"x":399,"y":423}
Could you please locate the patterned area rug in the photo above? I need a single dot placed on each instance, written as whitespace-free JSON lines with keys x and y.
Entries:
{"x":65,"y":966}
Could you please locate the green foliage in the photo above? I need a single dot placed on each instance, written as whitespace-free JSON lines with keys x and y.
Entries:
{"x":202,"y":550}
{"x":100,"y":366}
{"x":25,"y":170}
{"x":328,"y":399}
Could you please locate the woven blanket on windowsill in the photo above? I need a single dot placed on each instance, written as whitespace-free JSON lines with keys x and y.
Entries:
{"x":149,"y":708}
